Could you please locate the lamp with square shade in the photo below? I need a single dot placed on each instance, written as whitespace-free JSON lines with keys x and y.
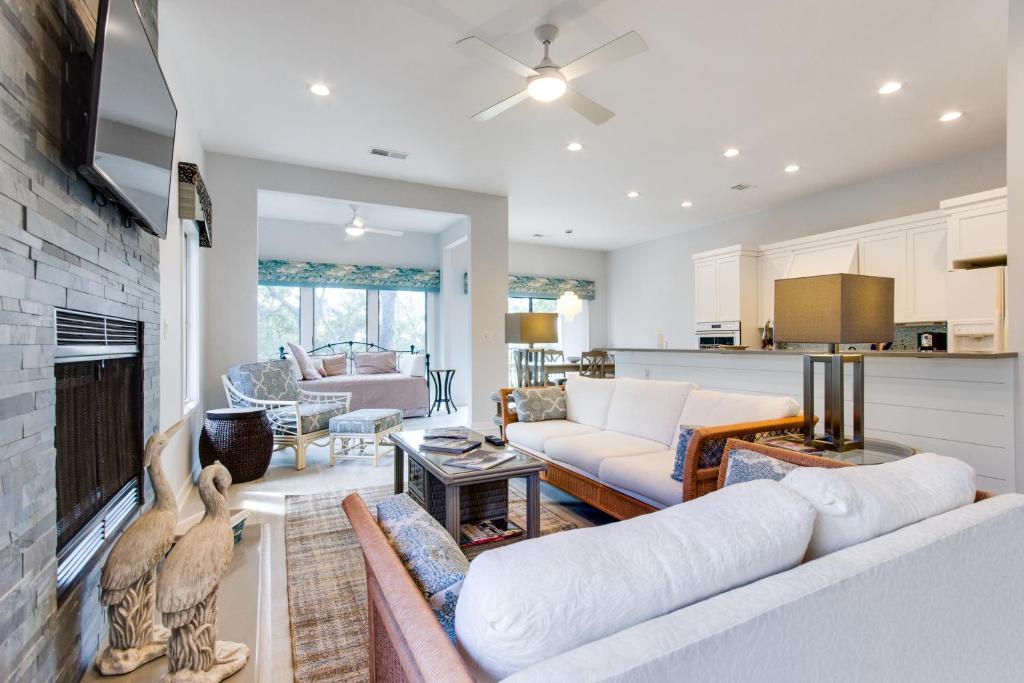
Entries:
{"x":530,"y":328}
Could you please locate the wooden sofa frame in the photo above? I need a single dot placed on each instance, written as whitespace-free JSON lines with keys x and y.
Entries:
{"x":697,"y":481}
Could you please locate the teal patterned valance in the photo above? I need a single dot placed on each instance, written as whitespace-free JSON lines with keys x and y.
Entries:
{"x":540,"y":287}
{"x":309,"y":274}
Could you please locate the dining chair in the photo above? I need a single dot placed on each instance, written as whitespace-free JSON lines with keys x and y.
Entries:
{"x":592,"y":364}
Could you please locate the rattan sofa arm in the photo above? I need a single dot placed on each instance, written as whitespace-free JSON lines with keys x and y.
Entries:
{"x":404,"y":633}
{"x":508,"y":415}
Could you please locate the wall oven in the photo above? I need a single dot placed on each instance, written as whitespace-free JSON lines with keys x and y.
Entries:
{"x":715,"y":335}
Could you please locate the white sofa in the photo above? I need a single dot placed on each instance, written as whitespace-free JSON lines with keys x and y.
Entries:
{"x":616,"y":448}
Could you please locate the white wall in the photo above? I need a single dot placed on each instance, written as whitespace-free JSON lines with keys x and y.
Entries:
{"x":1015,"y":191}
{"x":586,"y":264}
{"x":299,"y":241}
{"x":454,"y":346}
{"x":230,"y":267}
{"x":650,"y":285}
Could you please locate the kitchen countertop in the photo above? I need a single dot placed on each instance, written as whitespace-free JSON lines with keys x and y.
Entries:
{"x":868,"y":354}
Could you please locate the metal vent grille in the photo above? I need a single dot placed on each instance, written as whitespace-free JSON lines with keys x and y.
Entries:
{"x":388,"y":153}
{"x":75,"y":558}
{"x":82,"y":335}
{"x":742,"y":186}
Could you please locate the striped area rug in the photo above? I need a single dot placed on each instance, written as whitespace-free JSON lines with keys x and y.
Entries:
{"x":327,"y":584}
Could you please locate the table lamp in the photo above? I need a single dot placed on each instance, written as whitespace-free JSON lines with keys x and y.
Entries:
{"x":834,"y":309}
{"x":530,"y":328}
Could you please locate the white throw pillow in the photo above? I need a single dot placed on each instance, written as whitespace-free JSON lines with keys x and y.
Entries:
{"x":648,"y":408}
{"x":304,"y":362}
{"x":527,"y":602}
{"x":587,"y":400}
{"x":706,"y":408}
{"x":856,"y":504}
{"x":412,"y":364}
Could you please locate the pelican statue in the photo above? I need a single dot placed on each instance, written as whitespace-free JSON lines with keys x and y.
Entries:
{"x":187,"y":590}
{"x":128,"y":577}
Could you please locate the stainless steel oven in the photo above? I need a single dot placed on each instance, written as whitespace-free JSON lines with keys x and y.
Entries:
{"x":714,"y":335}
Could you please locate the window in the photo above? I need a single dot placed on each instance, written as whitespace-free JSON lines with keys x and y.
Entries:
{"x":338,"y":315}
{"x":402,"y":320}
{"x":278,"y":312}
{"x":190,"y":314}
{"x":573,"y":335}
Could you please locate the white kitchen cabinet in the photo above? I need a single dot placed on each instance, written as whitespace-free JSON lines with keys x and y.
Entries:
{"x":926,"y":271}
{"x":770,"y":267}
{"x":729,"y":288}
{"x":885,"y":255}
{"x":725,"y":289}
{"x":706,"y":288}
{"x":977,"y":226}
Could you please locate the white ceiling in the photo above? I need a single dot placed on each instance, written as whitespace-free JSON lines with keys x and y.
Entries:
{"x":789,"y":81}
{"x":328,"y":211}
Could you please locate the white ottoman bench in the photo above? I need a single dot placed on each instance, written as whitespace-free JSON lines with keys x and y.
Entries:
{"x":350,"y":432}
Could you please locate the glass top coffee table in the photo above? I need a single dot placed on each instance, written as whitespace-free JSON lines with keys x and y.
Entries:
{"x":457,"y":481}
{"x":875,"y":451}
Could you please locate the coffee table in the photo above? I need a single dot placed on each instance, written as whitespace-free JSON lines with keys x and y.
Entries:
{"x":875,"y":451}
{"x":486,"y":491}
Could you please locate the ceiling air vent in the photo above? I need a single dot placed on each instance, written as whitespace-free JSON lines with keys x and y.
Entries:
{"x":742,"y":186}
{"x":388,"y":153}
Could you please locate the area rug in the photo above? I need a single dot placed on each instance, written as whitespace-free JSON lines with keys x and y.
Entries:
{"x":327,"y":584}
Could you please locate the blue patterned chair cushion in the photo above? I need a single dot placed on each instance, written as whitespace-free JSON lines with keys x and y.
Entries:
{"x":710,"y":456}
{"x":270,"y":380}
{"x":431,"y":556}
{"x":747,"y":465}
{"x":366,"y":421}
{"x":537,"y":405}
{"x":316,"y":417}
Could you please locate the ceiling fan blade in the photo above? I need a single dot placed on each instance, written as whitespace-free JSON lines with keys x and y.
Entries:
{"x":624,"y":46}
{"x":380,"y":231}
{"x":587,"y":107}
{"x":495,"y":109}
{"x":474,"y":47}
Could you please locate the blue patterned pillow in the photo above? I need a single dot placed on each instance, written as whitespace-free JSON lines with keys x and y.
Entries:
{"x":432,"y":557}
{"x":710,"y":456}
{"x":747,"y":465}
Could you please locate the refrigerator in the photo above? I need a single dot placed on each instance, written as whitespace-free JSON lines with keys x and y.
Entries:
{"x":977,"y":310}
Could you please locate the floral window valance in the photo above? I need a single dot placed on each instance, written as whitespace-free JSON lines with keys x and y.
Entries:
{"x":540,"y":287}
{"x":309,"y":274}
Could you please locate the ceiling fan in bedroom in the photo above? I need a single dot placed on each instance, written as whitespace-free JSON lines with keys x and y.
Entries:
{"x":357,"y":227}
{"x":547,"y":81}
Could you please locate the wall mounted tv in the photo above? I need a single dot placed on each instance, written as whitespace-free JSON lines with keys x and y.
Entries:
{"x":130,"y":119}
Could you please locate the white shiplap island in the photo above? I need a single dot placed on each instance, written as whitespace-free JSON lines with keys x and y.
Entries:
{"x":954,"y":404}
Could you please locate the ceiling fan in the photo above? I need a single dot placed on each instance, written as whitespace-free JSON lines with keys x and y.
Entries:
{"x":547,"y":81}
{"x":357,"y":227}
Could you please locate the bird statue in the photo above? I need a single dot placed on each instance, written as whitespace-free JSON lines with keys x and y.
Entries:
{"x":128,"y":579}
{"x":187,"y":590}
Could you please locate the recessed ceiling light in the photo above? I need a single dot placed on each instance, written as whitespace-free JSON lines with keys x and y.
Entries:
{"x":890,"y":87}
{"x":731,"y":152}
{"x":320,"y":89}
{"x":792,"y":168}
{"x":687,"y":204}
{"x":574,"y":147}
{"x":632,"y":194}
{"x":950,"y":116}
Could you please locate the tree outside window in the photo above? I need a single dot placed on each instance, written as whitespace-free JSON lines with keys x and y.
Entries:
{"x":339,"y":315}
{"x":278,"y":313}
{"x":402,"y":320}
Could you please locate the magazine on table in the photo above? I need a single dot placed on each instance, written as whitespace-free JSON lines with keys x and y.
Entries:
{"x":489,"y":531}
{"x":483,"y":460}
{"x":450,"y":445}
{"x":447,"y":433}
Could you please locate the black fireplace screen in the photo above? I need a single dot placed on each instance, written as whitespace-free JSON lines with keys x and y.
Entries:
{"x":98,"y":438}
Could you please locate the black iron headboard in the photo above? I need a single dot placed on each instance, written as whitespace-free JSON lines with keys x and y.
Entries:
{"x":348,"y":347}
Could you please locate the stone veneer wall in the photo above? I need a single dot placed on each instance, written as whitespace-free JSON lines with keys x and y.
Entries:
{"x":57,"y":248}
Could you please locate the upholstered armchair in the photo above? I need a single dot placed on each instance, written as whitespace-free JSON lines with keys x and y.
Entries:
{"x":298,"y":417}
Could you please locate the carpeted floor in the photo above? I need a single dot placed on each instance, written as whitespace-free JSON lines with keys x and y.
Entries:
{"x":327,"y":585}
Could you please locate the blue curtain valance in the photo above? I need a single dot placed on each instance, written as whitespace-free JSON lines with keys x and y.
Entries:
{"x":540,"y":287}
{"x":310,"y":274}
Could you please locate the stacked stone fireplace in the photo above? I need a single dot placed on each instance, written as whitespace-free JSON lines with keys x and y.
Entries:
{"x":59,"y":249}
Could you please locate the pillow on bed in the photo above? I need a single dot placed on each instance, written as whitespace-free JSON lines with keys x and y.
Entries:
{"x":376,"y":363}
{"x":304,"y":362}
{"x":335,"y":365}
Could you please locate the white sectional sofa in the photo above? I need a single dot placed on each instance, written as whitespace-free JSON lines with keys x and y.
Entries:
{"x":617,"y":446}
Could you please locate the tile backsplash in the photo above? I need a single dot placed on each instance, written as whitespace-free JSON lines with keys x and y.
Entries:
{"x":906,"y":339}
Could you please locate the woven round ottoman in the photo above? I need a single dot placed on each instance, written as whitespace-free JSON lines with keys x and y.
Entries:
{"x":241,"y":438}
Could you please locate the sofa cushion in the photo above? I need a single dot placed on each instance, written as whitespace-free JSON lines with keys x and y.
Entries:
{"x":533,"y":435}
{"x":710,"y":453}
{"x":744,"y":465}
{"x":375,"y":362}
{"x":536,"y":404}
{"x":647,"y":408}
{"x":269,"y":380}
{"x":706,"y":408}
{"x":336,"y":365}
{"x":412,"y":364}
{"x":432,"y":557}
{"x":859,"y":503}
{"x":587,"y":399}
{"x":588,"y":451}
{"x":315,"y":417}
{"x":305,"y":363}
{"x":646,"y":475}
{"x":513,"y":609}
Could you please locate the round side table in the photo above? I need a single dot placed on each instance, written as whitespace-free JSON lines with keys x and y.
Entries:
{"x":241,"y":438}
{"x":442,"y":380}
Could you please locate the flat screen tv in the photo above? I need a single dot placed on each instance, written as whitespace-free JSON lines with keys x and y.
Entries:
{"x":130,"y":119}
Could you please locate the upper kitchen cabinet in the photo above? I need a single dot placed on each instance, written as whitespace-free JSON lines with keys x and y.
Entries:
{"x":885,"y":255}
{"x":976,"y":229}
{"x":926,"y":272}
{"x":725,"y":284}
